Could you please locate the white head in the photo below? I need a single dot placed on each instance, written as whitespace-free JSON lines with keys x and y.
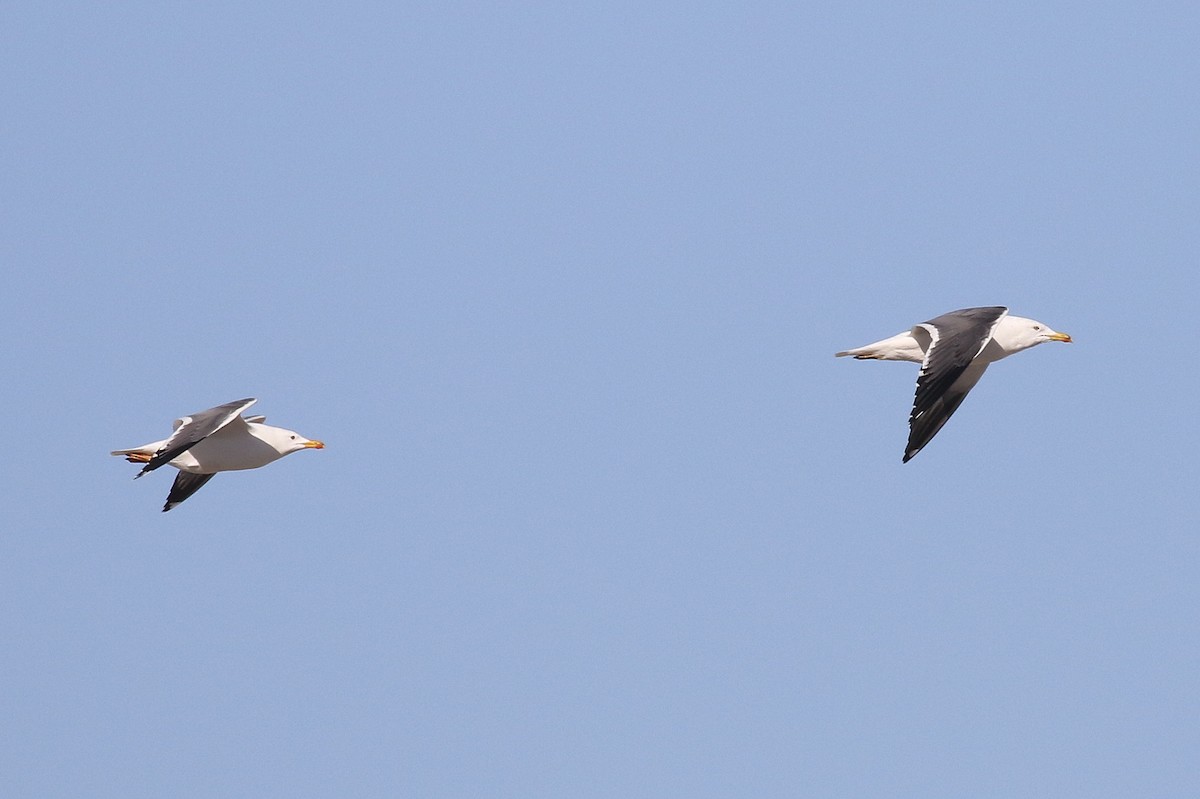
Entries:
{"x":1016,"y":333}
{"x":284,"y":441}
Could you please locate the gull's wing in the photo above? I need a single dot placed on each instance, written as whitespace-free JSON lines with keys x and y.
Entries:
{"x":184,"y":486}
{"x":191,"y":430}
{"x":948,"y":371}
{"x":923,"y":425}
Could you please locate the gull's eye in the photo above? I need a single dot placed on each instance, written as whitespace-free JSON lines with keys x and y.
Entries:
{"x":293,"y":438}
{"x":1037,"y":327}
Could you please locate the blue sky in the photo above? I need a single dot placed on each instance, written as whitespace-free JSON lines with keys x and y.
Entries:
{"x":599,"y":515}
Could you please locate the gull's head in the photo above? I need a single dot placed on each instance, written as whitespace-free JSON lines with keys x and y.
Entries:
{"x":1022,"y":333}
{"x":289,"y":441}
{"x":1045,"y":333}
{"x":310,"y":443}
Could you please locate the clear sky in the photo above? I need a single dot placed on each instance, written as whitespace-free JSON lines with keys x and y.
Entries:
{"x":600,"y":514}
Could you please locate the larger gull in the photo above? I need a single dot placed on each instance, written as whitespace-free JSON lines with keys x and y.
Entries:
{"x":219,"y":439}
{"x":954,"y":350}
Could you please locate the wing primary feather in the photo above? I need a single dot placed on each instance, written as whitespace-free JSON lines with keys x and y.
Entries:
{"x":184,"y":486}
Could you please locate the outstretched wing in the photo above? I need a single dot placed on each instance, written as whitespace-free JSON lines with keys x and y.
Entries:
{"x":923,"y":426}
{"x":193,"y":429}
{"x":184,"y":486}
{"x":948,"y":371}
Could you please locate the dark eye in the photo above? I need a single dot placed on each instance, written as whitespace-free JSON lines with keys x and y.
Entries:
{"x":293,"y":438}
{"x":1037,"y":327}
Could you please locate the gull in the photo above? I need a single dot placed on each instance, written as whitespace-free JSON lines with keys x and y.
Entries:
{"x":219,"y":439}
{"x":954,"y":350}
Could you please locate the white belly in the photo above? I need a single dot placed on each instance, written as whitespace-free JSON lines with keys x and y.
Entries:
{"x":224,"y":452}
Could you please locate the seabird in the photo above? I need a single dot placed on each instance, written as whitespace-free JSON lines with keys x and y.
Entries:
{"x":954,"y":350}
{"x":219,"y":439}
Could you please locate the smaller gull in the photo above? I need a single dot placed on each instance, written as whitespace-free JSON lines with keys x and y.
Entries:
{"x":954,"y":350}
{"x":217,"y":440}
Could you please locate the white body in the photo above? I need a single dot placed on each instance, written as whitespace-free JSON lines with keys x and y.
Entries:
{"x":236,"y":446}
{"x":1012,"y":334}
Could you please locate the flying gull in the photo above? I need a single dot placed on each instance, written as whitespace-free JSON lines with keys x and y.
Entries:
{"x":954,"y":350}
{"x":217,"y":440}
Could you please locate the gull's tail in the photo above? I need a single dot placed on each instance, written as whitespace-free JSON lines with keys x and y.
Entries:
{"x":900,"y":347}
{"x":141,"y":454}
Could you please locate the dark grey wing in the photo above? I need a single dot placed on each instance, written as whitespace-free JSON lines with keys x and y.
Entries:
{"x":184,"y":486}
{"x":944,"y":380}
{"x":194,"y":429}
{"x":922,"y":428}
